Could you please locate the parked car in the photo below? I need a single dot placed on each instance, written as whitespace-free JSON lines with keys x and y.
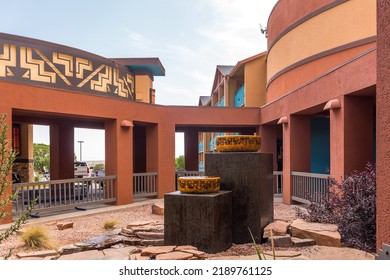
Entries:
{"x":81,"y":169}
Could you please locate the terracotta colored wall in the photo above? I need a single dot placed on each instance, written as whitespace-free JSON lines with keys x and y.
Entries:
{"x":354,"y":76}
{"x":383,"y":125}
{"x":295,"y":78}
{"x":343,"y":24}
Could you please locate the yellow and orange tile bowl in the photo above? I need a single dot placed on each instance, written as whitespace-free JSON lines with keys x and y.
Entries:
{"x":198,"y":184}
{"x":238,"y":143}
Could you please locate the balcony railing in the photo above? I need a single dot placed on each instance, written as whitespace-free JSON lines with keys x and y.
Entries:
{"x":310,"y":187}
{"x":278,"y":182}
{"x":63,"y":194}
{"x":144,"y":185}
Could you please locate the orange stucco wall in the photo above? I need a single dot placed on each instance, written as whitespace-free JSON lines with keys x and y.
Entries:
{"x":332,"y":30}
{"x":383,"y":125}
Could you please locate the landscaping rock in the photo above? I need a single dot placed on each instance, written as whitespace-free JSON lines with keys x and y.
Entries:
{"x":158,"y":209}
{"x":323,"y":234}
{"x":196,"y":253}
{"x":138,"y":257}
{"x":133,"y":241}
{"x":38,"y":254}
{"x":153,"y":251}
{"x":138,"y":224}
{"x":298,"y":242}
{"x":176,"y":255}
{"x":148,"y":228}
{"x":155,"y":242}
{"x":64,"y":225}
{"x":101,"y":242}
{"x":281,"y":241}
{"x":150,"y":235}
{"x":127,"y":232}
{"x":118,"y":254}
{"x":185,"y":247}
{"x":279,"y":228}
{"x":70,"y":249}
{"x":85,"y":255}
{"x":283,"y":254}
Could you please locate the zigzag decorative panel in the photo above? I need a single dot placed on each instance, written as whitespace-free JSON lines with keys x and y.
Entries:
{"x":45,"y":64}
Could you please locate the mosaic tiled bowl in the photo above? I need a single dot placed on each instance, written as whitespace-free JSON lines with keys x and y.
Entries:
{"x":238,"y":143}
{"x":198,"y":184}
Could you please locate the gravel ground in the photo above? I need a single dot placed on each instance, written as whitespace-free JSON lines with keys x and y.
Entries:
{"x":88,"y":226}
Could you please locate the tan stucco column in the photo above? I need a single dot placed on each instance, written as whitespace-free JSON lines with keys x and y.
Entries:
{"x":119,"y":159}
{"x":296,"y":151}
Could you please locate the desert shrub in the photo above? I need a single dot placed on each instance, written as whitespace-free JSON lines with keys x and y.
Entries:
{"x":7,"y":157}
{"x":36,"y":237}
{"x":351,"y":205}
{"x":110,"y":224}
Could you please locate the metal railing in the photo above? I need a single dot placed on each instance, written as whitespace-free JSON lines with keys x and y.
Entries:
{"x":278,"y":182}
{"x":310,"y":187}
{"x":63,"y":194}
{"x":185,"y":173}
{"x":144,"y":184}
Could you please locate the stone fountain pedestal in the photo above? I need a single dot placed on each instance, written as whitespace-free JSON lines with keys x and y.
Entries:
{"x":200,"y":220}
{"x":249,"y":176}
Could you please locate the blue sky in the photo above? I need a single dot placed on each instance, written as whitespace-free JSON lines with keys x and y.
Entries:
{"x":190,"y":37}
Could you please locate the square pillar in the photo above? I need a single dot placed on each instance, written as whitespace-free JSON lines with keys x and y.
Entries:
{"x":166,"y":158}
{"x":296,"y":151}
{"x":269,"y":134}
{"x":8,"y":191}
{"x":200,"y":220}
{"x":352,"y":135}
{"x":382,"y":123}
{"x":61,"y":151}
{"x":191,"y":150}
{"x":249,"y":177}
{"x":119,"y":159}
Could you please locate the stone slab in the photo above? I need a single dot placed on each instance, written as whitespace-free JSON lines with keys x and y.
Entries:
{"x":281,"y":241}
{"x":38,"y":254}
{"x":249,"y":177}
{"x":298,"y":242}
{"x":154,"y":242}
{"x":279,"y":228}
{"x":323,"y":234}
{"x":64,"y":225}
{"x":86,"y":255}
{"x":176,"y":255}
{"x":158,"y":209}
{"x":200,"y":220}
{"x":152,"y":251}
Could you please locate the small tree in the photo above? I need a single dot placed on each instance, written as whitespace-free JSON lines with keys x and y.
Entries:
{"x":180,"y":163}
{"x":41,"y":157}
{"x":7,"y":157}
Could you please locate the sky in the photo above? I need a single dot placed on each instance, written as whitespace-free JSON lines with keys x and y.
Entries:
{"x":190,"y":38}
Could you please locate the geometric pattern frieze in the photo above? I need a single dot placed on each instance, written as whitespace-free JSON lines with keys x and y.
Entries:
{"x":71,"y":70}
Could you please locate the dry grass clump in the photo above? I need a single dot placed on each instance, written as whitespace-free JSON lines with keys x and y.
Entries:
{"x":36,"y":237}
{"x":109,"y":224}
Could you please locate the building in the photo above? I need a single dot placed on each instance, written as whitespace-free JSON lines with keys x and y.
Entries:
{"x":241,"y":85}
